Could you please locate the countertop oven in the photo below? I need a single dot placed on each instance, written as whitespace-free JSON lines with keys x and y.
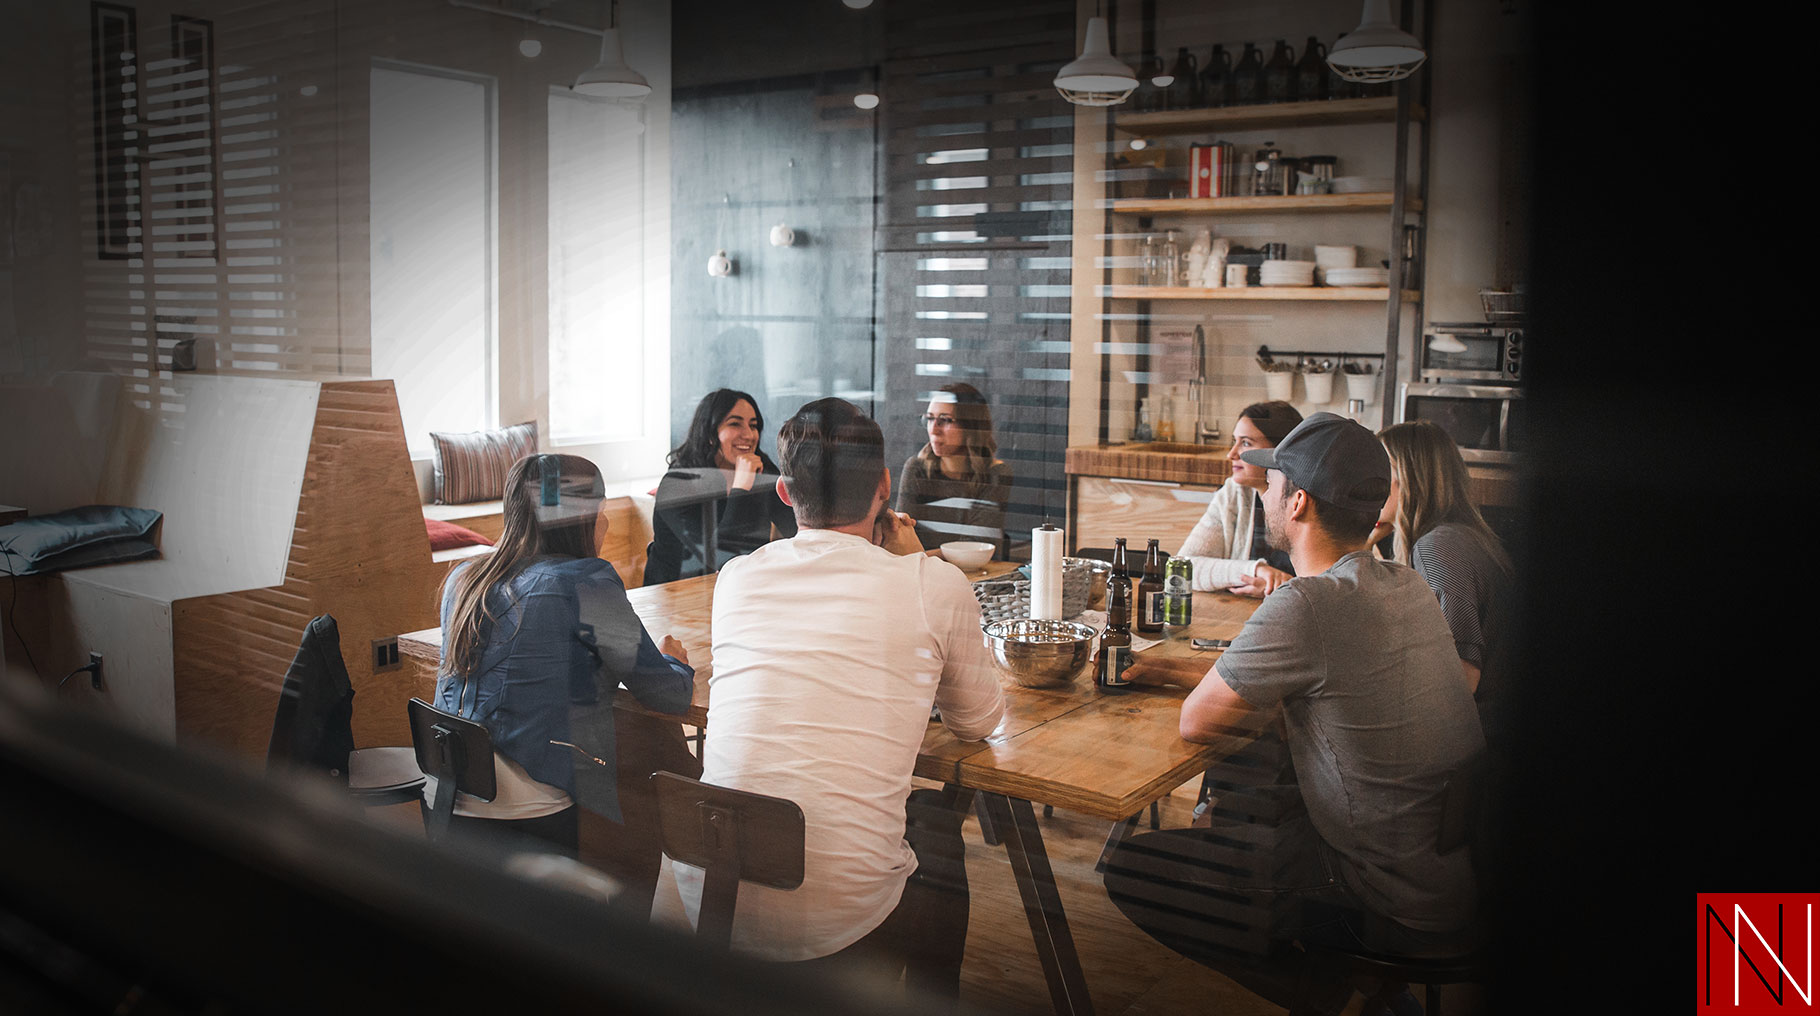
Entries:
{"x":1488,"y":421}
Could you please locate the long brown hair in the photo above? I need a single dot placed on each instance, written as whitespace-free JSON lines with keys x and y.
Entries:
{"x":525,"y":537}
{"x":977,"y":443}
{"x":1273,"y":419}
{"x":1432,"y":489}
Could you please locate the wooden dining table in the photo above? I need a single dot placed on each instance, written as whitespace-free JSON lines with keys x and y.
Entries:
{"x":1108,"y":755}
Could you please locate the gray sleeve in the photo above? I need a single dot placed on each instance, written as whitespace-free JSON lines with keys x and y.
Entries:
{"x":906,"y":502}
{"x":1276,"y":656}
{"x":1444,"y":559}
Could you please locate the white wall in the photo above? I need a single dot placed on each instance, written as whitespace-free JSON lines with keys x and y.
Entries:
{"x":312,"y":60}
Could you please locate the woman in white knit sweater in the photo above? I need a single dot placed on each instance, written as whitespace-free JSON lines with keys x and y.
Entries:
{"x":1227,"y":546}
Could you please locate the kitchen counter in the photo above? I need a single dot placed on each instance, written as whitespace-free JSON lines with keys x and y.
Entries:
{"x":1206,"y":466}
{"x":1165,"y":461}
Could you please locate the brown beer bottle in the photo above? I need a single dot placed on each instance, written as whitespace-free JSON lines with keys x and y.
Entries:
{"x":1150,"y":592}
{"x":1115,"y":641}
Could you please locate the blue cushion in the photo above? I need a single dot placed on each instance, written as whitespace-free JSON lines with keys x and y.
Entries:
{"x":79,"y":537}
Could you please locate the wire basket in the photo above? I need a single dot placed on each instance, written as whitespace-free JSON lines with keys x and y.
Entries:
{"x":1503,"y":305}
{"x":1009,"y":599}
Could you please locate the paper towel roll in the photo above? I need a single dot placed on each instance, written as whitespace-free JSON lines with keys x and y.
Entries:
{"x":1046,"y":553}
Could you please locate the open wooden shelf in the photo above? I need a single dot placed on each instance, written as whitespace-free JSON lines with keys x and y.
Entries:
{"x":1372,"y":202}
{"x":1378,"y":294}
{"x":1281,"y":114}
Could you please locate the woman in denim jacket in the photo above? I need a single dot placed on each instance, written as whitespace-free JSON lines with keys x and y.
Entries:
{"x":537,"y":637}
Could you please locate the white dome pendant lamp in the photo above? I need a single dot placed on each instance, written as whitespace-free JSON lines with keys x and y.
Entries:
{"x":1377,"y":50}
{"x":1097,"y":78}
{"x":611,"y":78}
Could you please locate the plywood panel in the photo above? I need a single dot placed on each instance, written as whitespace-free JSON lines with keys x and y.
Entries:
{"x":1104,"y":509}
{"x":359,"y":552}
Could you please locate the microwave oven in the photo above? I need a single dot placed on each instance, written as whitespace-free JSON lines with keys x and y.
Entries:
{"x":1472,"y":352}
{"x":1488,"y":422}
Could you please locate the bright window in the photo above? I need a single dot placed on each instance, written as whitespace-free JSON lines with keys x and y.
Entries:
{"x":433,"y":247}
{"x":596,"y":271}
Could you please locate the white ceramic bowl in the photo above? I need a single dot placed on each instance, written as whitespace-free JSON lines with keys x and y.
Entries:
{"x":968,"y":554}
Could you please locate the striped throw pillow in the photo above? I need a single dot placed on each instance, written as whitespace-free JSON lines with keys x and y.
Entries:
{"x":472,"y":467}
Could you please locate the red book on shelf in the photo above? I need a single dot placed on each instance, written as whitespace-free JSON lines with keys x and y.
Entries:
{"x":1203,"y":177}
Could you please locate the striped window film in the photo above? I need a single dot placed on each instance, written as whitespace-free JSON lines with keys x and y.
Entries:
{"x":975,"y":246}
{"x":209,"y":194}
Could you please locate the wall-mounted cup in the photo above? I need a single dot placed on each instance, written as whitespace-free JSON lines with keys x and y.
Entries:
{"x":1361,"y":386}
{"x":1319,"y":387}
{"x":1279,"y":384}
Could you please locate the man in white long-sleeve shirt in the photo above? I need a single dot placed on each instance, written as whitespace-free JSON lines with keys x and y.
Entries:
{"x":829,"y":649}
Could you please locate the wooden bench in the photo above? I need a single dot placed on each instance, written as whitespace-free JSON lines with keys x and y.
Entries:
{"x":283,"y":498}
{"x":623,"y":532}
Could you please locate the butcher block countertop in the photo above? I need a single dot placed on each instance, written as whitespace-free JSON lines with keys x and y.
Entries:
{"x":1206,"y":466}
{"x":1168,"y":461}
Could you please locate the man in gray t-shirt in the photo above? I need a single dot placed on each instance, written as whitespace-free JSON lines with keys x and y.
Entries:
{"x":1357,"y":656}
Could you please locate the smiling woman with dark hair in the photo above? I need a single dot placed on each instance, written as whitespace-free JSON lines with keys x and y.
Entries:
{"x":721,"y":485}
{"x":1227,"y":547}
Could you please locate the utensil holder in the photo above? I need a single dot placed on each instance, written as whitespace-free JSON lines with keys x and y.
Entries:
{"x":1361,"y":386}
{"x":1319,"y":387}
{"x":1279,"y":384}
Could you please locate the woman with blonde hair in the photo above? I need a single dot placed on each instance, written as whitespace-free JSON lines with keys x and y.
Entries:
{"x":1442,"y":535}
{"x":955,"y":486}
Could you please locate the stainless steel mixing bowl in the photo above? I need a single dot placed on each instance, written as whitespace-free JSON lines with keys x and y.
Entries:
{"x":1040,"y":654}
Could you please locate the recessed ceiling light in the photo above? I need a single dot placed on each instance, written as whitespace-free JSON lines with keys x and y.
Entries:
{"x":866,"y":100}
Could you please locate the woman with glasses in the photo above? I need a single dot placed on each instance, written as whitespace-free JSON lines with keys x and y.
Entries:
{"x":955,"y":486}
{"x":721,"y":489}
{"x":537,"y":636}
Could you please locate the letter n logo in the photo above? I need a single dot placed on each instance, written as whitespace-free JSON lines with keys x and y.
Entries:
{"x":1756,"y":953}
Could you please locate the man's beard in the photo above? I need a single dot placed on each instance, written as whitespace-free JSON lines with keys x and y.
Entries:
{"x":1273,"y":530}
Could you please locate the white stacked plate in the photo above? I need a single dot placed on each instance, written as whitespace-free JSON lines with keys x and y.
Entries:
{"x":1286,"y":273}
{"x":1357,"y":276}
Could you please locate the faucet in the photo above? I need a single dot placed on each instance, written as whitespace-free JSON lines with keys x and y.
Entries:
{"x":1197,"y":391}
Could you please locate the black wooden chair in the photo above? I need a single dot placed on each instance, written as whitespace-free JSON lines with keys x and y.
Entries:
{"x":313,"y":727}
{"x":1461,"y":827}
{"x":458,"y":753}
{"x":733,"y":837}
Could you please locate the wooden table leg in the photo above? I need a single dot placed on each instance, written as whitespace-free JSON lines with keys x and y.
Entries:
{"x":1016,"y":824}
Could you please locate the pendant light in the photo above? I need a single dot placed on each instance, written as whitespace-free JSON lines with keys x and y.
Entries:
{"x":1377,"y":50}
{"x":611,"y":78}
{"x":1097,"y":78}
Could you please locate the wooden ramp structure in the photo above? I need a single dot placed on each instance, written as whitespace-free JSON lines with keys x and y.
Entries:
{"x":283,"y":498}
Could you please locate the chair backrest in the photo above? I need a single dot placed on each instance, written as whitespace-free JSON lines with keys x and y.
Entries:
{"x":313,"y":727}
{"x":458,"y":753}
{"x":733,"y":836}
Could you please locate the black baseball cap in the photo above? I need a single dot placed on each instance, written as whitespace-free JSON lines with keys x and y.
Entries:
{"x":1334,"y":458}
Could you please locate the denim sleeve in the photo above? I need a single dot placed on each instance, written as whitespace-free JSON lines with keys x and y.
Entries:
{"x":623,"y":650}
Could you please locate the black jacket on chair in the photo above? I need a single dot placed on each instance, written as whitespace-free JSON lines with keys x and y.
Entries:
{"x":314,"y":727}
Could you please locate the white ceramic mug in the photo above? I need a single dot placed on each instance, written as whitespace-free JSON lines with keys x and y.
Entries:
{"x":1237,"y":276}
